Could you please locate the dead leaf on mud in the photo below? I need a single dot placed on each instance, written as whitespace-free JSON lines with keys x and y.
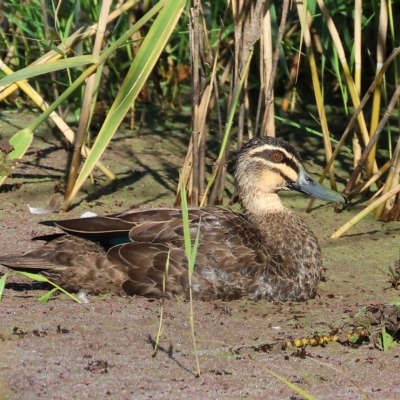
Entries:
{"x":62,"y":330}
{"x":373,"y":318}
{"x":39,"y":333}
{"x":394,"y":273}
{"x":5,"y":162}
{"x":5,"y":146}
{"x":97,"y":367}
{"x":19,"y":332}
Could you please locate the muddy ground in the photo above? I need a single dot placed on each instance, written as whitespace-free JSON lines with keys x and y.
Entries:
{"x":64,"y":350}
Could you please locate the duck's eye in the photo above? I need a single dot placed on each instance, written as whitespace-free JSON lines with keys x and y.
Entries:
{"x":276,"y":156}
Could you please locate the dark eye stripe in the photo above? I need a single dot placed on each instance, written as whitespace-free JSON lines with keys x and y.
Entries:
{"x":279,"y":172}
{"x":266,"y":155}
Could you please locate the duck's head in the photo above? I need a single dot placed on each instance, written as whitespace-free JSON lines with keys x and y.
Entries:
{"x":266,"y":165}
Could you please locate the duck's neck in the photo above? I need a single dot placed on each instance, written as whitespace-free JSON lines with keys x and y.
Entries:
{"x":292,"y":247}
{"x":261,"y":205}
{"x":276,"y":224}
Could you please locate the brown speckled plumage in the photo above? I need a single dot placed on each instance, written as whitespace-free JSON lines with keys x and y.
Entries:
{"x":266,"y":252}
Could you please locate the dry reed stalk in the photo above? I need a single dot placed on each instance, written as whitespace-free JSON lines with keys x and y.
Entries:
{"x":380,"y":59}
{"x":246,"y":105}
{"x":374,"y":139}
{"x":241,"y":13}
{"x":317,"y":89}
{"x":394,"y":54}
{"x":268,"y":125}
{"x":385,"y":210}
{"x":364,"y":186}
{"x":135,"y":45}
{"x":350,"y":184}
{"x":350,"y":83}
{"x":342,"y":57}
{"x":269,"y":113}
{"x":196,"y":92}
{"x":186,"y":175}
{"x":246,"y":38}
{"x":85,"y":112}
{"x":197,"y":140}
{"x":357,"y":75}
{"x":365,"y":212}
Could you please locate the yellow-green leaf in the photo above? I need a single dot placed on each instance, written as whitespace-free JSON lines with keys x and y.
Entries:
{"x":21,"y":142}
{"x":36,"y":70}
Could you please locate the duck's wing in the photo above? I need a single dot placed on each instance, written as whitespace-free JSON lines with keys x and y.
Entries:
{"x":232,"y":259}
{"x":229,"y":256}
{"x":228,"y":246}
{"x":110,"y":230}
{"x":229,"y":261}
{"x":72,"y":263}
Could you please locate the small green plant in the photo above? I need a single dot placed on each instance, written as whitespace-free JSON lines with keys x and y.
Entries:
{"x":36,"y":278}
{"x":191,"y":257}
{"x":387,"y":341}
{"x":161,"y":325}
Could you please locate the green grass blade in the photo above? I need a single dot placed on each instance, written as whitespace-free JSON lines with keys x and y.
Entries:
{"x":36,"y":70}
{"x":161,"y":324}
{"x":21,"y":142}
{"x":45,"y":298}
{"x":194,"y":250}
{"x":185,"y":222}
{"x":139,"y":71}
{"x":74,"y":298}
{"x":191,"y":257}
{"x":34,"y":277}
{"x":387,"y":340}
{"x":3,"y":284}
{"x":291,"y":385}
{"x":41,"y":278}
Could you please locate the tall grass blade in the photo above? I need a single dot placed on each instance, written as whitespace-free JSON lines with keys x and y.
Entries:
{"x":191,"y":256}
{"x":139,"y":71}
{"x":387,"y":340}
{"x":161,"y":325}
{"x":291,"y":385}
{"x":185,"y":221}
{"x":45,"y":298}
{"x":3,"y":280}
{"x":43,"y":279}
{"x":36,"y":70}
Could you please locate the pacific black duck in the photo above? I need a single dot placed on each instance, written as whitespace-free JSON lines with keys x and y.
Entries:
{"x":265,"y":252}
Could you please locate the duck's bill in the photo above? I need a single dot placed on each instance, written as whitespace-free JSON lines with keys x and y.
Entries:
{"x":308,"y":185}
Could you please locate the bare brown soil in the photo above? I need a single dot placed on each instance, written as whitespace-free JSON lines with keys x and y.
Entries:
{"x":64,"y":350}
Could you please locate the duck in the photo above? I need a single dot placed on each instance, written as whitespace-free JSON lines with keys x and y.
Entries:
{"x":266,"y":251}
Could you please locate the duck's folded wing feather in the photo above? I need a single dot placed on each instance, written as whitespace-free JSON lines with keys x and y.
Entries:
{"x":113,"y":229}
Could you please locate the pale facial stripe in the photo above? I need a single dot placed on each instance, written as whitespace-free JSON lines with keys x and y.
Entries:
{"x":288,"y":168}
{"x":260,"y":149}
